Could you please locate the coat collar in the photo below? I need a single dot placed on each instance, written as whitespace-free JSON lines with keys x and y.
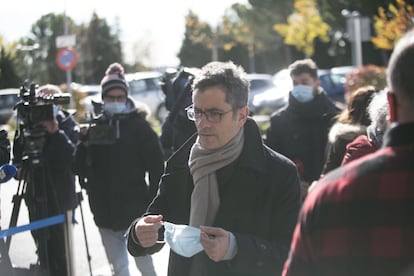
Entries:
{"x":252,"y":155}
{"x":399,"y":135}
{"x":320,"y":106}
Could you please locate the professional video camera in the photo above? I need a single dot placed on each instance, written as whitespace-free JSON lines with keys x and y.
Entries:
{"x":31,"y":111}
{"x":99,"y":132}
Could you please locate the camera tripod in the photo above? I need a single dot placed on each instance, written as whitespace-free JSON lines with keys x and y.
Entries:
{"x":35,"y":186}
{"x":5,"y":263}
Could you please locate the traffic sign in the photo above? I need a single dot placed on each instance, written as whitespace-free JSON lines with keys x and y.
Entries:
{"x":66,"y":59}
{"x":64,"y":41}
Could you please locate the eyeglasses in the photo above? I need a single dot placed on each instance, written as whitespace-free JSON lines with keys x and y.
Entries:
{"x":213,"y":116}
{"x":111,"y":98}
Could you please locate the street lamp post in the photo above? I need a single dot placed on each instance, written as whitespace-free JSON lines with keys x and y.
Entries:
{"x":355,"y":18}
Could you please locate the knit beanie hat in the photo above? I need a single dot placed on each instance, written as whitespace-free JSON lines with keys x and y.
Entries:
{"x":114,"y":78}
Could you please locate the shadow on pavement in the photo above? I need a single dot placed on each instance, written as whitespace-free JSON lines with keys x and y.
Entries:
{"x":34,"y":270}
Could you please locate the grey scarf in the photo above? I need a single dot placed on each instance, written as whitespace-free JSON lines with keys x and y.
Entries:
{"x":203,"y":164}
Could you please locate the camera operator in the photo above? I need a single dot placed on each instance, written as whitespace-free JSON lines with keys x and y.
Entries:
{"x":112,"y":160}
{"x":4,"y":159}
{"x":177,"y":128}
{"x":4,"y":148}
{"x":48,"y":174}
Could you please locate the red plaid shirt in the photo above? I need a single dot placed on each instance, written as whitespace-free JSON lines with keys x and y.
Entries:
{"x":360,"y":218}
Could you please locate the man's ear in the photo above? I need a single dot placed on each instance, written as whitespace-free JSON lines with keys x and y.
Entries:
{"x":316,"y":87}
{"x":392,"y":104}
{"x":243,"y":113}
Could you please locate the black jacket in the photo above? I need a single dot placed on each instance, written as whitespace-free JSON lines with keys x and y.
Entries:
{"x":53,"y":176}
{"x":114,"y":175}
{"x":259,"y":195}
{"x":4,"y":148}
{"x":300,"y":132}
{"x":175,"y":131}
{"x":340,"y":135}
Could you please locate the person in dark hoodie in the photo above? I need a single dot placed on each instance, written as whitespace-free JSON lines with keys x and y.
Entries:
{"x":50,"y":189}
{"x":112,"y":162}
{"x":300,"y":131}
{"x":177,"y":128}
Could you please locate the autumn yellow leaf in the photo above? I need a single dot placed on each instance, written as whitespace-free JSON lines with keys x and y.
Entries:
{"x":389,"y":30}
{"x":303,"y":26}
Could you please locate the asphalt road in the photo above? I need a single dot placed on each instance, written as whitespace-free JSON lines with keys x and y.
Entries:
{"x":22,"y":249}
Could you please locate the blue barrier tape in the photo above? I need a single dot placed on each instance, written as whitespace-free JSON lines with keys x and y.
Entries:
{"x":41,"y":223}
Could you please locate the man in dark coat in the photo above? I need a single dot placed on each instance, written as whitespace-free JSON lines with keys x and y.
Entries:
{"x":45,"y":159}
{"x":4,"y":147}
{"x":5,"y":264}
{"x":358,"y":220}
{"x":112,"y":163}
{"x":300,"y":131}
{"x":242,"y":196}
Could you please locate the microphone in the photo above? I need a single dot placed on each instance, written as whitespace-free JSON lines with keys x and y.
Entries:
{"x":7,"y":171}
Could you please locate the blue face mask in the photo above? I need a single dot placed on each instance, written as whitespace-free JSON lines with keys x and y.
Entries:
{"x":303,"y":93}
{"x":183,"y":239}
{"x":114,"y":107}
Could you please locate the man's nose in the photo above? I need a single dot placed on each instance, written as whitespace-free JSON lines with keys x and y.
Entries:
{"x":203,"y":122}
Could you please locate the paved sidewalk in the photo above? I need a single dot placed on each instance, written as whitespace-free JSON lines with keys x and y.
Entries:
{"x":22,"y":249}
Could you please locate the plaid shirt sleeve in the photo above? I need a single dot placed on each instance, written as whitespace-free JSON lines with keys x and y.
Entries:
{"x":301,"y":255}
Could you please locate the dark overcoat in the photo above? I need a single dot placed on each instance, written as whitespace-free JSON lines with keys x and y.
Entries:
{"x":259,"y":204}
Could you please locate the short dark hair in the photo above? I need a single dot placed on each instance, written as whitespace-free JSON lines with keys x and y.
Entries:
{"x":231,"y":77}
{"x":304,"y":66}
{"x":400,"y":67}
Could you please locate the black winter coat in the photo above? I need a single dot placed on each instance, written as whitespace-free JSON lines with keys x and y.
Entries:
{"x":4,"y":148}
{"x":260,"y":200}
{"x":53,"y":176}
{"x":300,"y":132}
{"x":114,"y":175}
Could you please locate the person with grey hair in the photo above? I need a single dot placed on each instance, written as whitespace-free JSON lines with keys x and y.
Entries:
{"x":358,"y":220}
{"x":372,"y":140}
{"x":226,"y":204}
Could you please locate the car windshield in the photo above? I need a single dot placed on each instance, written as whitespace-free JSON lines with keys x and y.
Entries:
{"x":8,"y":100}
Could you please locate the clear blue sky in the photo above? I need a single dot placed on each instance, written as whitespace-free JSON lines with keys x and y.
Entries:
{"x":154,"y":24}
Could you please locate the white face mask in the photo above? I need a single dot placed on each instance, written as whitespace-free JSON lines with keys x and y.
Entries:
{"x":183,"y":239}
{"x":303,"y":93}
{"x":114,"y":107}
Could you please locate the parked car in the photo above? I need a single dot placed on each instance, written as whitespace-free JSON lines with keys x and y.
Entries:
{"x":258,"y":84}
{"x":144,"y":87}
{"x":274,"y":98}
{"x":8,"y":99}
{"x":91,"y":89}
{"x":333,"y":82}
